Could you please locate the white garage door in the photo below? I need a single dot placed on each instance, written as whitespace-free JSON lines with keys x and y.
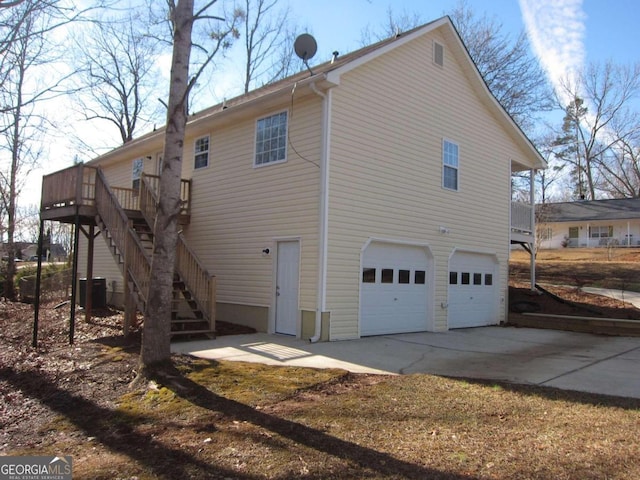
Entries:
{"x":394,"y":286}
{"x":473,"y":290}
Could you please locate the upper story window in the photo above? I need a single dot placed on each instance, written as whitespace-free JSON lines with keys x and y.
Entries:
{"x":201,"y":153}
{"x":136,"y":174}
{"x":450,"y":165}
{"x":271,"y":139}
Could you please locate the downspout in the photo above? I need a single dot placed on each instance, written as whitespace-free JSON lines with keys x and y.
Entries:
{"x":323,"y":213}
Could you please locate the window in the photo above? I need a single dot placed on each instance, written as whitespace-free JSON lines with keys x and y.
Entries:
{"x":477,"y":279}
{"x":136,"y":174}
{"x":545,"y":233}
{"x":387,"y":275}
{"x":465,"y":279}
{"x":404,"y":276}
{"x":453,"y":278}
{"x":449,"y":165}
{"x":419,"y":277}
{"x":573,"y":232}
{"x":488,"y":279}
{"x":271,"y":139}
{"x":201,"y":153}
{"x":438,"y":54}
{"x":603,"y":231}
{"x":368,"y":275}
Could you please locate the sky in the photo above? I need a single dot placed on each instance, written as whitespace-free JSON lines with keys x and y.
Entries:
{"x":564,"y":34}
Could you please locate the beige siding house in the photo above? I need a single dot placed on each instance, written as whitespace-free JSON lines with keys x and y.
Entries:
{"x":369,"y":197}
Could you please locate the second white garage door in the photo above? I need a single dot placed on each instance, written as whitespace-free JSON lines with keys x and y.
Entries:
{"x":473,"y":290}
{"x":394,"y":289}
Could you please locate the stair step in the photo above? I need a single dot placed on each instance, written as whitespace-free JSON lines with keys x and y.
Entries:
{"x":187,"y":320}
{"x":208,"y":333}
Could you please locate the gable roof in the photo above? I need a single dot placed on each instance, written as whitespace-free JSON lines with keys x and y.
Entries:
{"x":328,"y":74}
{"x":590,"y":210}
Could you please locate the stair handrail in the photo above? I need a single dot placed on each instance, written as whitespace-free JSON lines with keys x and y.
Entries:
{"x":138,"y":263}
{"x":200,"y":283}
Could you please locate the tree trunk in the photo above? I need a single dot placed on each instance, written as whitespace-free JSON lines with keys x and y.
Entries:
{"x":157,"y":316}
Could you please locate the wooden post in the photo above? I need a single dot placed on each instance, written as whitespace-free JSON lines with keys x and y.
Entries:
{"x":88,"y":294}
{"x":36,"y":305}
{"x":212,"y":303}
{"x":74,"y":275}
{"x":129,"y":305}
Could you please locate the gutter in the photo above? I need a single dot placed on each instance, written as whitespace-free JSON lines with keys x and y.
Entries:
{"x":324,"y":211}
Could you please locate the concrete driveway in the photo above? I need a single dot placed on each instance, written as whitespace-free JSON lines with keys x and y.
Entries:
{"x":566,"y":360}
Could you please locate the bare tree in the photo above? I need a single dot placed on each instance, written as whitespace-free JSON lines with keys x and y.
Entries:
{"x":23,"y":89}
{"x":395,"y":24}
{"x":599,"y":121}
{"x":508,"y":67}
{"x":117,"y":73}
{"x":268,"y":42}
{"x":621,"y":171}
{"x":157,"y":315}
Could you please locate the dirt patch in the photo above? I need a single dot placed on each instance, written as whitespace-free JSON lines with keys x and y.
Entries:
{"x":570,"y":301}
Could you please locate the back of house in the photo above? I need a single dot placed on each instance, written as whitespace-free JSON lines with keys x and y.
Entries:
{"x":371,"y":196}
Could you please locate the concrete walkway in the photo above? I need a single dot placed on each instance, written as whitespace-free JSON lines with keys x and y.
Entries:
{"x":566,"y":360}
{"x":631,"y":297}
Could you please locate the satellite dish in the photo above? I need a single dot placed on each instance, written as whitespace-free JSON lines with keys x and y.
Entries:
{"x":305,"y":46}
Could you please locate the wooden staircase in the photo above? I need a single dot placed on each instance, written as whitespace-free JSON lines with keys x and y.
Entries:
{"x":129,"y":236}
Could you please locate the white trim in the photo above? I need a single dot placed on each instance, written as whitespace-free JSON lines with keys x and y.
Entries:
{"x":323,"y":213}
{"x":255,"y":138}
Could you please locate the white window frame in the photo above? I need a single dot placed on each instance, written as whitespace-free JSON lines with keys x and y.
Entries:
{"x":601,"y":231}
{"x":199,"y":153}
{"x":282,"y":138}
{"x":447,"y":163}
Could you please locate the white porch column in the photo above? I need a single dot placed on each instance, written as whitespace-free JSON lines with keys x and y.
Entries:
{"x":532,"y":199}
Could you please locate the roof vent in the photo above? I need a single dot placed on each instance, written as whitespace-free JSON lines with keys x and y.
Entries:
{"x":438,"y":54}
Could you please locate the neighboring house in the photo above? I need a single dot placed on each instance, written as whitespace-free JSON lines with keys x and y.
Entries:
{"x":55,"y":253}
{"x":595,"y":223}
{"x":369,"y":197}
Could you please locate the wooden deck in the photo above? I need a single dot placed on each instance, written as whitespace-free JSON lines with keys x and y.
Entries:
{"x":82,"y":196}
{"x":72,"y":191}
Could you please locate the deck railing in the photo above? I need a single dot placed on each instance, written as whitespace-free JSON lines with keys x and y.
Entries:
{"x":153,"y":184}
{"x":522,"y":217}
{"x":72,"y":186}
{"x":127,"y":197}
{"x":197,"y":279}
{"x":137,"y":262}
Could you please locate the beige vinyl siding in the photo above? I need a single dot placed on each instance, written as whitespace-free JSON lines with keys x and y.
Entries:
{"x":239,"y":210}
{"x":389,"y":119}
{"x":104,"y":264}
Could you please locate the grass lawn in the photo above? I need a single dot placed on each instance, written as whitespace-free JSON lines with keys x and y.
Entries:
{"x":225,"y":420}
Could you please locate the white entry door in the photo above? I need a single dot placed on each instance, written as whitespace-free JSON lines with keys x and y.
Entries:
{"x":287,"y":277}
